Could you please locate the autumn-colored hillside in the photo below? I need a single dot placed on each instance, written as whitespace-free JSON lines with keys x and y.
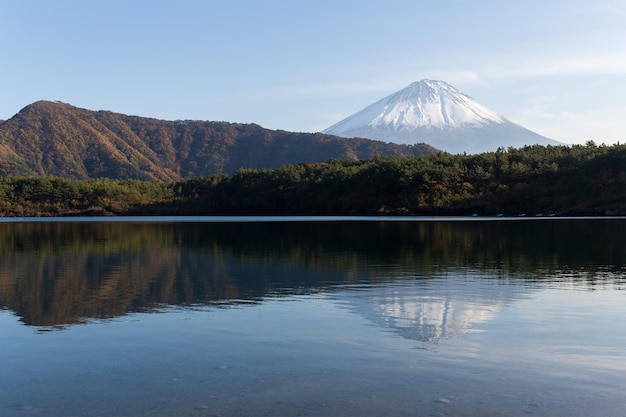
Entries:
{"x":53,"y":138}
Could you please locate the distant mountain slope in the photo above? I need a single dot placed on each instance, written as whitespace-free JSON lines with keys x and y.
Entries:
{"x":52,"y":138}
{"x":436,"y":113}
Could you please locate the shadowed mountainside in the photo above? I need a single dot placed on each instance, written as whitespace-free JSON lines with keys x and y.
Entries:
{"x":53,"y":138}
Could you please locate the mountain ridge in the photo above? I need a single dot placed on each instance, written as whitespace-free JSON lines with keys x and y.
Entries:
{"x":58,"y":139}
{"x":436,"y":113}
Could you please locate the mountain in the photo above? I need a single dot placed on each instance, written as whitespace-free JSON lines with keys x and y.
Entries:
{"x":440,"y":115}
{"x":53,"y":138}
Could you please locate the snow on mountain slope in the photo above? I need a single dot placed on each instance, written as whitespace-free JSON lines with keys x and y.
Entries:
{"x":438,"y":114}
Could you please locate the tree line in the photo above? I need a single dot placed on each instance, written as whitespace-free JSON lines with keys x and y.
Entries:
{"x":578,"y":180}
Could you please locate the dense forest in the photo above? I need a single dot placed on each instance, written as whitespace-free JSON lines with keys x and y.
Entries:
{"x":57,"y":139}
{"x":552,"y":180}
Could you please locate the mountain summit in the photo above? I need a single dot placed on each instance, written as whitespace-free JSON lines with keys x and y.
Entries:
{"x":436,"y":113}
{"x":54,"y":138}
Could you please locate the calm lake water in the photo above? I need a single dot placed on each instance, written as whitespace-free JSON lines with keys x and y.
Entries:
{"x":349,"y":317}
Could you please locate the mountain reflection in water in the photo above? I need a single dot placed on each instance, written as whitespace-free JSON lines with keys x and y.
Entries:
{"x":443,"y":309}
{"x":62,"y":273}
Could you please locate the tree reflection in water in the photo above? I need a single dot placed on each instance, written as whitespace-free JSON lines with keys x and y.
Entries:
{"x":61,"y":273}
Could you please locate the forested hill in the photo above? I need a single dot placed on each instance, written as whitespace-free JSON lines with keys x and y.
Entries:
{"x":534,"y":180}
{"x":57,"y":139}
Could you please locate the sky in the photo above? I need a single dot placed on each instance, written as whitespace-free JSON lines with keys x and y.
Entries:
{"x":557,"y":67}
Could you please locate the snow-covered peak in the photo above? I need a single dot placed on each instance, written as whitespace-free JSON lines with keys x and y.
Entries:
{"x":434,"y":104}
{"x":427,"y":103}
{"x":436,"y":113}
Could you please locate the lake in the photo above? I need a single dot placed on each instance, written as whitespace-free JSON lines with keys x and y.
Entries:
{"x":313,"y":317}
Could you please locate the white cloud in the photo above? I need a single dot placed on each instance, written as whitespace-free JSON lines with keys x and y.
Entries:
{"x":603,"y":125}
{"x":607,"y":64}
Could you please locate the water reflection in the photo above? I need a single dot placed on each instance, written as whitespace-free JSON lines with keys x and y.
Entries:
{"x":57,"y":273}
{"x":441,"y":310}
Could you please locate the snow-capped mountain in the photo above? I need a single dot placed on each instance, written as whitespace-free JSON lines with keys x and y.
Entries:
{"x":438,"y":114}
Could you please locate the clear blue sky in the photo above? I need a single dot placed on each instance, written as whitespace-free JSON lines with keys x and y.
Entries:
{"x":557,"y":67}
